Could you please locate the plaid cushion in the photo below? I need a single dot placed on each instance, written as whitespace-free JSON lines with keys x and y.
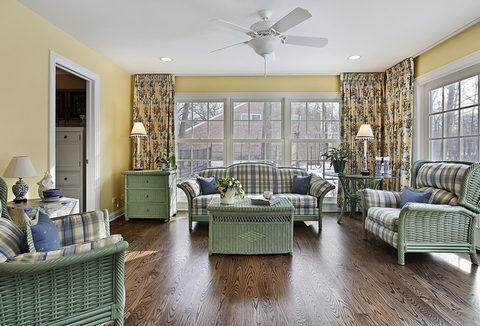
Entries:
{"x":447,"y":176}
{"x":191,"y":186}
{"x":67,"y":250}
{"x":213,"y":172}
{"x":318,"y":186}
{"x":10,"y":239}
{"x":200,"y":203}
{"x":380,"y":198}
{"x":285,"y":177}
{"x":385,"y":216}
{"x":382,"y":232}
{"x":304,"y":204}
{"x":254,"y":177}
{"x":440,"y":196}
{"x":80,"y":228}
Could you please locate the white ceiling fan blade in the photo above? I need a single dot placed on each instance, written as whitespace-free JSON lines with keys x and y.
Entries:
{"x":229,"y":46}
{"x":318,"y":42}
{"x":295,"y":17}
{"x":234,"y":26}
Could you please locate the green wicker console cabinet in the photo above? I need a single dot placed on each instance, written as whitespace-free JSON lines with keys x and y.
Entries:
{"x":246,"y":229}
{"x":150,"y":194}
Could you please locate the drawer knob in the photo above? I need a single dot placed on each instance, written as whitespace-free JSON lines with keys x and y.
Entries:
{"x":146,"y":196}
{"x":65,"y":137}
{"x":148,"y":209}
{"x":65,"y":178}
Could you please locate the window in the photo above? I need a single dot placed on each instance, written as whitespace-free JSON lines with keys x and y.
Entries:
{"x":315,"y":126}
{"x":453,"y":120}
{"x":200,"y":140}
{"x":257,"y":131}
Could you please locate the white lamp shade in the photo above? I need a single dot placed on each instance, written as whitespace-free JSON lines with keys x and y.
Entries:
{"x":20,"y":167}
{"x":365,"y":132}
{"x":138,"y":130}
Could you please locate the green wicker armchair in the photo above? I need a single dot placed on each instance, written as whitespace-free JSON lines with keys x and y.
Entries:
{"x":445,"y":224}
{"x":79,"y":284}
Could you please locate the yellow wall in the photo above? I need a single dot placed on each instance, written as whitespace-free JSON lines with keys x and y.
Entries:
{"x":25,"y":42}
{"x":324,"y":83}
{"x":452,"y":49}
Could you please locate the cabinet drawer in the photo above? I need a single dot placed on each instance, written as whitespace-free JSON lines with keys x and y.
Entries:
{"x":147,"y":195}
{"x":146,"y":210}
{"x":69,"y":179}
{"x":145,"y":181}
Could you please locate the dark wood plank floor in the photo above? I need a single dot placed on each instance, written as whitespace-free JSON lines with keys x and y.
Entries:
{"x":333,"y":278}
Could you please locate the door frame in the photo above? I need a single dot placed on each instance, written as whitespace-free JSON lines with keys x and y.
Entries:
{"x":92,"y":133}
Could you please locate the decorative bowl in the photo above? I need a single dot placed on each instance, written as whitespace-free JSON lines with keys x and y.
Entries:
{"x":49,"y":193}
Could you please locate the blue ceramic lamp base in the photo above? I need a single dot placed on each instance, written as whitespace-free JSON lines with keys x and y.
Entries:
{"x":20,"y":190}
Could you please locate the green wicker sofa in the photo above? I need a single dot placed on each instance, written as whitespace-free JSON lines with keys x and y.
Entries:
{"x":82,"y":283}
{"x":257,"y":177}
{"x":445,"y":224}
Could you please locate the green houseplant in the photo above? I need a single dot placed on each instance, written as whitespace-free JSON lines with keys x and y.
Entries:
{"x":228,"y":187}
{"x":167,"y":162}
{"x":338,"y":157}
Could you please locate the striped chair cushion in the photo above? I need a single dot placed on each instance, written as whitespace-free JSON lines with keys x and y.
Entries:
{"x":447,"y":176}
{"x":304,"y":204}
{"x":191,"y":186}
{"x":254,"y":177}
{"x":380,"y":198}
{"x":441,"y":197}
{"x":200,"y":203}
{"x":213,"y":172}
{"x":285,"y":177}
{"x":387,"y":217}
{"x":382,"y":232}
{"x":318,"y":186}
{"x":80,"y":228}
{"x":67,"y":250}
{"x":10,"y":239}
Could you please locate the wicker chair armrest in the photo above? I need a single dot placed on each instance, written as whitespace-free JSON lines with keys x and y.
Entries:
{"x":379,"y":198}
{"x":319,"y":187}
{"x":190,"y":187}
{"x":412,"y":208}
{"x":16,"y":268}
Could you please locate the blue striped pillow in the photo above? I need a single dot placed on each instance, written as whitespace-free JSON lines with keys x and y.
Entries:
{"x":10,"y":239}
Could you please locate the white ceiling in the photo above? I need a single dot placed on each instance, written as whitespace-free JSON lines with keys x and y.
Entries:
{"x":136,"y":33}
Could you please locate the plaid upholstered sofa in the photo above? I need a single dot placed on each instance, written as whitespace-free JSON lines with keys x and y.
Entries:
{"x":82,"y":283}
{"x":257,"y":177}
{"x":445,"y":224}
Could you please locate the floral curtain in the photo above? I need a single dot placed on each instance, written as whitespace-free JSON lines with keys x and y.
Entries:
{"x":153,"y":104}
{"x":397,"y":121}
{"x":363,"y":97}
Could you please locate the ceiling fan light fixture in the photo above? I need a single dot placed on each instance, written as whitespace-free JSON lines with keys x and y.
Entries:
{"x":354,"y":57}
{"x":264,"y":45}
{"x":166,"y":59}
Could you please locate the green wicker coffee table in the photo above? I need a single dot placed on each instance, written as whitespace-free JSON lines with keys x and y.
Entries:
{"x":246,"y":229}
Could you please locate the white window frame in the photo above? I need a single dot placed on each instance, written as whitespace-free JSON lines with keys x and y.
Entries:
{"x":449,"y":73}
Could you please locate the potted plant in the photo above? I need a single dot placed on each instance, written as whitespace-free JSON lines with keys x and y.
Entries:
{"x":338,"y":157}
{"x":166,"y":162}
{"x":228,"y":187}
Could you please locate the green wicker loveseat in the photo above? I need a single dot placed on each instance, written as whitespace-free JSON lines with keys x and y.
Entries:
{"x":257,"y":177}
{"x":445,"y":224}
{"x":82,"y":283}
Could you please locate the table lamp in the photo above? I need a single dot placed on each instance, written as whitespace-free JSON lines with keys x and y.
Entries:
{"x":138,"y":131}
{"x":365,"y":133}
{"x":20,"y":167}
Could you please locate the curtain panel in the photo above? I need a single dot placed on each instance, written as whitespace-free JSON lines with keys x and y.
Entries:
{"x":363,"y":100}
{"x":397,"y":121}
{"x":153,"y":105}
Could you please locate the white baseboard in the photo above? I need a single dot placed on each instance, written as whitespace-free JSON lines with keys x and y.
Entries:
{"x":116,"y":214}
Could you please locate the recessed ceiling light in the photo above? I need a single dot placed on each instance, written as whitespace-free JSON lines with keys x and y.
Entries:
{"x":354,"y":57}
{"x":166,"y":59}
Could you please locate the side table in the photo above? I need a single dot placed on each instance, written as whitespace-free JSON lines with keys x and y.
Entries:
{"x":63,"y":206}
{"x":351,"y":183}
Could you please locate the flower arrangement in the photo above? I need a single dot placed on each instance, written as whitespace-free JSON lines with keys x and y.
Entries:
{"x":227,"y":183}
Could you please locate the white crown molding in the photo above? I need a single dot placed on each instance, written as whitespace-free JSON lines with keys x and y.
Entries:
{"x":449,"y":68}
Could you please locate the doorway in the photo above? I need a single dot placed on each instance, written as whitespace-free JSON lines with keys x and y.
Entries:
{"x":74,"y":113}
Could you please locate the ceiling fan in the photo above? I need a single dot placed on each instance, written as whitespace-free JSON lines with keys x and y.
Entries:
{"x":266,"y":35}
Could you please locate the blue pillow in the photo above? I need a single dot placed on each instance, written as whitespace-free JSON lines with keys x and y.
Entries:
{"x":300,"y":184}
{"x":45,"y":234}
{"x":412,"y":196}
{"x":208,"y":186}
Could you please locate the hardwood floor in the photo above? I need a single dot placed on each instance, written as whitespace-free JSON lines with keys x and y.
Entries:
{"x":334,"y":278}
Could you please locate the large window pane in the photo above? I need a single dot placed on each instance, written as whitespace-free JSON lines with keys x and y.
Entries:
{"x":298,"y":110}
{"x":469,"y":91}
{"x":299,"y":129}
{"x":200,"y":129}
{"x":451,"y":124}
{"x":436,"y":150}
{"x":216,"y":130}
{"x":185,"y":130}
{"x":436,"y":100}
{"x":314,"y":111}
{"x":240,"y":129}
{"x":436,"y":125}
{"x":332,"y":111}
{"x":451,"y":96}
{"x":469,"y":149}
{"x":469,"y":121}
{"x":452,"y":150}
